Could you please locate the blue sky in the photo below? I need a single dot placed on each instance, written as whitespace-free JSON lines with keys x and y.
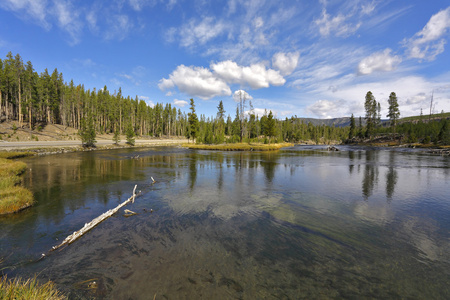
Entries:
{"x":305,"y":58}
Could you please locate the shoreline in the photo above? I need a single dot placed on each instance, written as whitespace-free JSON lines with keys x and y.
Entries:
{"x":56,"y":147}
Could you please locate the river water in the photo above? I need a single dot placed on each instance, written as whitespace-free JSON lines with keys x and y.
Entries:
{"x":301,"y":222}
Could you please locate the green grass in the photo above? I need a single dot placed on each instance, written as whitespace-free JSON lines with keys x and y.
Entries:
{"x":13,"y":197}
{"x":18,"y":288}
{"x":238,"y":147}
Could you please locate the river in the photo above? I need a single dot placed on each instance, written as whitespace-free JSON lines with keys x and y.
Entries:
{"x":297,"y":223}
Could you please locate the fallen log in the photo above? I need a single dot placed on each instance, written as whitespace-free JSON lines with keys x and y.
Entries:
{"x":88,"y":226}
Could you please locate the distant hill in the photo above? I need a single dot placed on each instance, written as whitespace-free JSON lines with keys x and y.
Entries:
{"x":337,"y":122}
{"x":345,"y":121}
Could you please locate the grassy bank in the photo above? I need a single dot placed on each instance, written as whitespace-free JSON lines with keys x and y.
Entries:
{"x":239,"y":147}
{"x":13,"y":197}
{"x":28,"y":289}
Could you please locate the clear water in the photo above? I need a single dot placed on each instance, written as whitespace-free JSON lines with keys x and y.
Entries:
{"x":298,"y":223}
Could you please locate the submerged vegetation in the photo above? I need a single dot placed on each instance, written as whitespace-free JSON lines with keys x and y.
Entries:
{"x":13,"y":197}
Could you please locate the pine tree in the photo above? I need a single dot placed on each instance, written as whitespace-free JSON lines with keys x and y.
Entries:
{"x":394,"y":112}
{"x":87,"y":132}
{"x":351,"y":134}
{"x":193,"y":121}
{"x":220,"y":121}
{"x":130,"y":134}
{"x":370,"y":105}
{"x":116,"y":137}
{"x":270,"y":126}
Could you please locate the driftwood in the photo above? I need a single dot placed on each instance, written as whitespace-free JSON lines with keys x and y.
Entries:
{"x":88,"y":226}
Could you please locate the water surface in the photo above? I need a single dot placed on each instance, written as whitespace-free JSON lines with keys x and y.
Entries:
{"x":298,"y":223}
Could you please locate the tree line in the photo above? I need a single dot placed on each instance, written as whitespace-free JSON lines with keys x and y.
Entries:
{"x":434,"y":129}
{"x":35,"y":99}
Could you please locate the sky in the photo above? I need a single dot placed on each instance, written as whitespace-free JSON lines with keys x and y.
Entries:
{"x":299,"y":58}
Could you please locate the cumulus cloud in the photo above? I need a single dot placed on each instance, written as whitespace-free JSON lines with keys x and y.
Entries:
{"x":208,"y":83}
{"x":285,"y":62}
{"x":256,"y":75}
{"x":241,"y":94}
{"x":429,"y":42}
{"x":379,"y":61}
{"x":180,"y":103}
{"x":195,"y":81}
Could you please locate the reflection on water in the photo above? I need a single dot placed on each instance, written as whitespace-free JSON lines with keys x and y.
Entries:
{"x":298,"y":223}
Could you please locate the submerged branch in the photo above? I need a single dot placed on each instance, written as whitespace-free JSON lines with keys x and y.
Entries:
{"x":88,"y":226}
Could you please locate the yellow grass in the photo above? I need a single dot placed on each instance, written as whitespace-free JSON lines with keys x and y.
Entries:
{"x":239,"y":147}
{"x":29,"y":289}
{"x":13,"y":197}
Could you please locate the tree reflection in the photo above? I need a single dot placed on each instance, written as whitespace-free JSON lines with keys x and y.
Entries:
{"x":351,"y":157}
{"x":391,"y":177}
{"x":370,"y":176}
{"x":192,"y":171}
{"x":269,"y":165}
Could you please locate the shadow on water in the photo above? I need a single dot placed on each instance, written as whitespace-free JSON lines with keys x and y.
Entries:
{"x":296,"y":223}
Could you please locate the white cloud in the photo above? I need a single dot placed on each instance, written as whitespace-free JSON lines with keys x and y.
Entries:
{"x":44,"y":13}
{"x":260,"y":111}
{"x":430,"y":41}
{"x":285,"y":62}
{"x":256,"y":75}
{"x":338,"y":25}
{"x":200,"y":32}
{"x":258,"y":22}
{"x":368,"y":8}
{"x":325,"y":108}
{"x":119,"y":26}
{"x":36,"y":9}
{"x":241,"y":94}
{"x":195,"y":81}
{"x":379,"y":61}
{"x":180,"y":103}
{"x":91,"y":18}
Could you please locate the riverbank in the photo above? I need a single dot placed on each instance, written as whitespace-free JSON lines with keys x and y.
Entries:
{"x":19,"y":288}
{"x":58,"y":146}
{"x":239,"y":147}
{"x":13,"y":197}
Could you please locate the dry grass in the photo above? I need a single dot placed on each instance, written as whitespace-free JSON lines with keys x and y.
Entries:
{"x":13,"y":197}
{"x":14,"y":154}
{"x":239,"y":147}
{"x":28,"y":289}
